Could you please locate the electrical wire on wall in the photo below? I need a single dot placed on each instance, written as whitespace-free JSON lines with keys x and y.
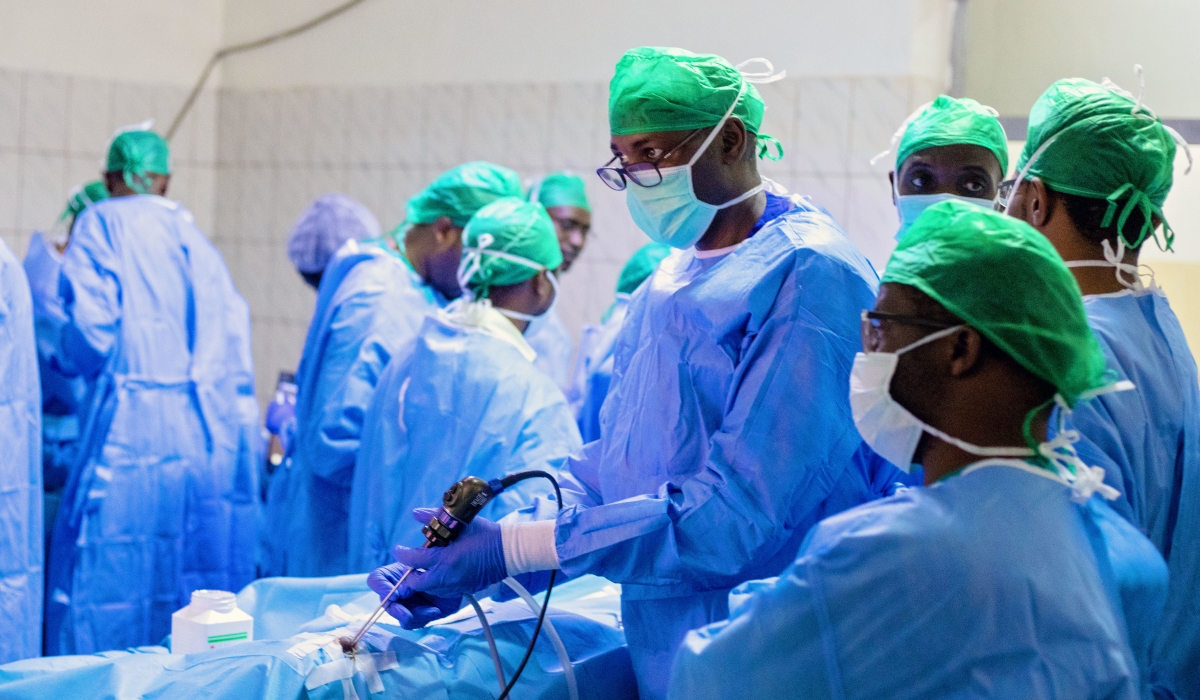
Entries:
{"x":249,"y":46}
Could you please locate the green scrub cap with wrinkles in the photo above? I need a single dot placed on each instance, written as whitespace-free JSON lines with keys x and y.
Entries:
{"x":136,"y":153}
{"x":82,"y":197}
{"x":1005,"y":280}
{"x":665,"y":89}
{"x":1095,"y":140}
{"x":641,"y":266}
{"x":949,"y":121}
{"x":508,"y":242}
{"x":461,"y":191}
{"x":560,"y":190}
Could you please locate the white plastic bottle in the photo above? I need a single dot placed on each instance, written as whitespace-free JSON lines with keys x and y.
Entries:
{"x":212,"y":620}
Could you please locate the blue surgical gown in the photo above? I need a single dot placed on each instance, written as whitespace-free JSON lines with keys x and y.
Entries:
{"x":464,"y":400}
{"x":20,"y":468}
{"x":549,"y":338}
{"x":63,"y":396}
{"x":162,"y":500}
{"x":369,"y":305}
{"x":593,"y":369}
{"x":727,"y":430}
{"x":992,"y":583}
{"x":1153,"y":436}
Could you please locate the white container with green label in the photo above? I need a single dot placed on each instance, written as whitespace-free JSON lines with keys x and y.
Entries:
{"x":211,"y":621}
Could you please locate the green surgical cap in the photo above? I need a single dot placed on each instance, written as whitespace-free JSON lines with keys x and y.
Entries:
{"x":663,"y":89}
{"x":136,"y":153}
{"x":461,"y":191}
{"x":948,"y":121}
{"x":82,"y":197}
{"x":504,"y":234}
{"x":1105,"y":146}
{"x":1004,"y":279}
{"x":641,"y":266}
{"x":561,"y":190}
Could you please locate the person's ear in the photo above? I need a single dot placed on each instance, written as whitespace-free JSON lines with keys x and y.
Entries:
{"x":967,"y":352}
{"x":892,"y":182}
{"x":161,"y":183}
{"x":734,"y":140}
{"x":446,"y":233}
{"x":541,"y":285}
{"x":1037,"y":203}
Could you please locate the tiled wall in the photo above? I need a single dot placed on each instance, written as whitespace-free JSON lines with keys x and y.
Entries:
{"x":278,"y":150}
{"x":248,"y":162}
{"x":53,"y":133}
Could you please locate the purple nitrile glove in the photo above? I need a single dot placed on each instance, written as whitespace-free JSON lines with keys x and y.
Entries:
{"x":471,"y":563}
{"x":416,"y":610}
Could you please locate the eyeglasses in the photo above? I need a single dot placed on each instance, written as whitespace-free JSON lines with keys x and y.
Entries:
{"x":1004,"y":191}
{"x":872,"y":325}
{"x":644,"y":174}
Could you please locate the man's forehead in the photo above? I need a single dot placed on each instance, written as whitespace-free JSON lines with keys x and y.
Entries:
{"x":636,"y":141}
{"x":904,"y":299}
{"x":953,"y":155}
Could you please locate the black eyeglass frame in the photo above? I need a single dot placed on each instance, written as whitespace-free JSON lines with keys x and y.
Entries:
{"x":871,"y":328}
{"x":621,"y":176}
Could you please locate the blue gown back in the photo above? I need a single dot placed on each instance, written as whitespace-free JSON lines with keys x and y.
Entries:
{"x":370,"y":304}
{"x":992,"y":583}
{"x":1153,"y":436}
{"x":63,"y":396}
{"x":21,"y":533}
{"x":463,"y":399}
{"x":162,"y":500}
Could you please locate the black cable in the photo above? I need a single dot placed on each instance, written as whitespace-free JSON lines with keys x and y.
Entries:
{"x":507,"y":482}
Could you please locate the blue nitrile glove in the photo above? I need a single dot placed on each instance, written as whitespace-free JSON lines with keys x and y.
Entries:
{"x":471,"y":563}
{"x":415,"y":611}
{"x":280,"y":411}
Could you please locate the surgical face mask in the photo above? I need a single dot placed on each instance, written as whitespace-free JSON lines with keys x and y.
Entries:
{"x":670,"y":212}
{"x":910,"y":206}
{"x":471,"y":262}
{"x":889,"y":428}
{"x":535,"y":321}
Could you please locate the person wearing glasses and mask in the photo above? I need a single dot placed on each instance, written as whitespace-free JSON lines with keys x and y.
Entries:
{"x":1008,"y":576}
{"x":1094,"y":175}
{"x":727,"y":429}
{"x":565,"y":198}
{"x":949,"y":149}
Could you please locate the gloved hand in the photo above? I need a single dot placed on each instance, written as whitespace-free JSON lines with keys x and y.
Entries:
{"x":280,"y":411}
{"x":472,"y":562}
{"x":416,"y":610}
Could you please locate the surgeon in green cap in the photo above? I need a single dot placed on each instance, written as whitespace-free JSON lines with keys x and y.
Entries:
{"x":726,"y":432}
{"x":139,"y":162}
{"x":1009,"y":576}
{"x":1093,"y":177}
{"x":372,"y":300}
{"x":467,"y":400}
{"x":564,"y":196}
{"x":165,"y":461}
{"x":431,"y":234}
{"x":951,"y":148}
